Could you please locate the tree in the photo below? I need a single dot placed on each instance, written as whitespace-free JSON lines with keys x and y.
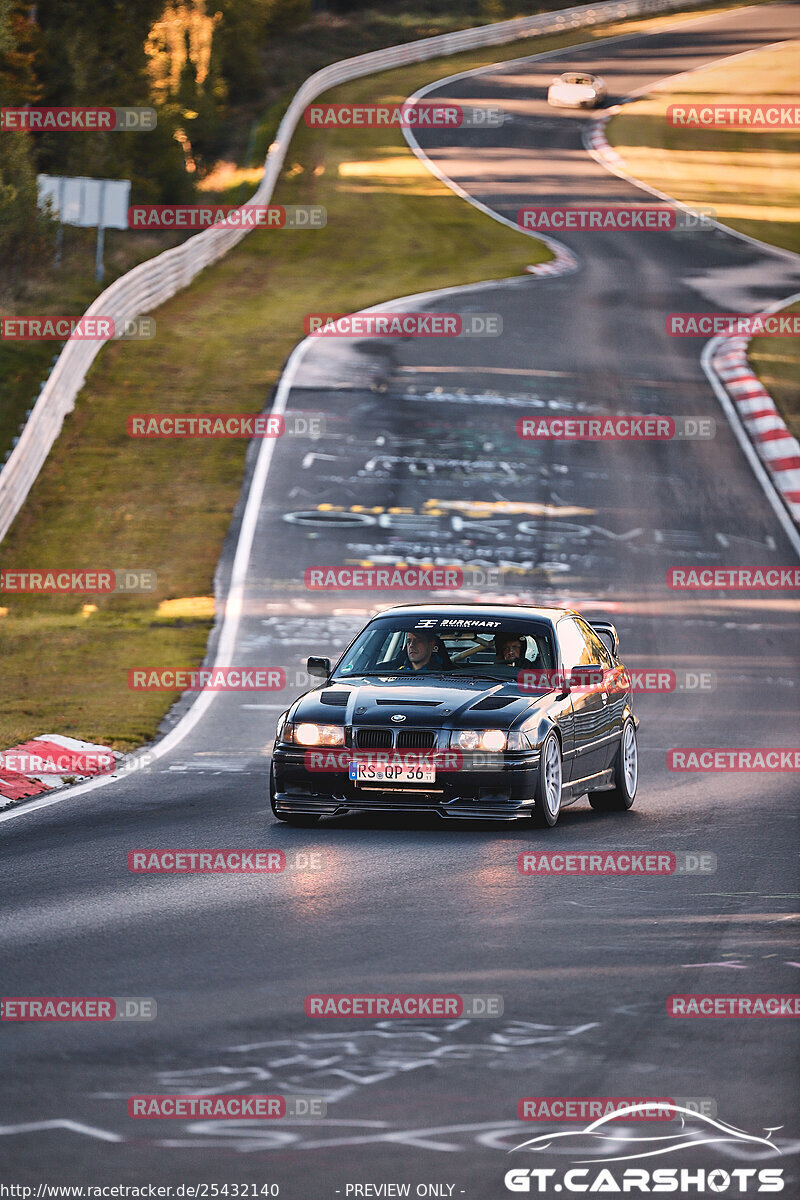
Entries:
{"x":26,"y":232}
{"x":93,"y":54}
{"x":20,"y":42}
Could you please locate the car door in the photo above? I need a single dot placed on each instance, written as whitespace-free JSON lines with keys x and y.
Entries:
{"x":588,"y":707}
{"x":613,"y":693}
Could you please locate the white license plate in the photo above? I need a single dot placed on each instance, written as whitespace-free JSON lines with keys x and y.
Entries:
{"x":367,"y":772}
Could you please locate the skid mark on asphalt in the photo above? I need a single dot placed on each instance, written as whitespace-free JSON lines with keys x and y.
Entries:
{"x":246,"y":1137}
{"x":103,"y":1135}
{"x":336,"y":1066}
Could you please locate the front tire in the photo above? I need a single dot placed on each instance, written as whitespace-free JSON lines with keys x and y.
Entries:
{"x":548,"y":785}
{"x":626,"y":775}
{"x":299,"y":820}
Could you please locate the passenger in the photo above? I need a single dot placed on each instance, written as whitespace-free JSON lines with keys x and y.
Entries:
{"x":510,"y":651}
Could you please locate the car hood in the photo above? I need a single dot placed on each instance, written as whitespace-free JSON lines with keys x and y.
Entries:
{"x":425,"y":702}
{"x":576,"y":91}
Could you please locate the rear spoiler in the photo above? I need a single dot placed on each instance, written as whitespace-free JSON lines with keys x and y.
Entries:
{"x":611,"y":630}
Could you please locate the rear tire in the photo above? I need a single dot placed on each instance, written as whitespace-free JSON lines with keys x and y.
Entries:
{"x":548,"y":784}
{"x":626,"y":775}
{"x":299,"y":820}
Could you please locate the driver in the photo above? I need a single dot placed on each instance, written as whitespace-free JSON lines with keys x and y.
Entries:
{"x":424,"y":652}
{"x":509,"y":648}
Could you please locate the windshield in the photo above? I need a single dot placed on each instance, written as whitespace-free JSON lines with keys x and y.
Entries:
{"x":491,"y":647}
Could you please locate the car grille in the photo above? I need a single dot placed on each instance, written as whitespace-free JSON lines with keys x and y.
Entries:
{"x":402,"y":739}
{"x":416,"y":739}
{"x":373,"y":739}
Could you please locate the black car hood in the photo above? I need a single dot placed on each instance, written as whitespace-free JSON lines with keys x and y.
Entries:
{"x":425,"y":702}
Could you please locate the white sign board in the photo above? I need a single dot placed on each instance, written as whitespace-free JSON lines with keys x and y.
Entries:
{"x":101,"y":203}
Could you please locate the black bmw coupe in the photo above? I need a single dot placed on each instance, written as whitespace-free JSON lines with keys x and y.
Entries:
{"x":465,"y":710}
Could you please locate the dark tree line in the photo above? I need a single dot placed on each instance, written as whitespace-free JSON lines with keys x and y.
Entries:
{"x":109,"y":53}
{"x":197,"y":62}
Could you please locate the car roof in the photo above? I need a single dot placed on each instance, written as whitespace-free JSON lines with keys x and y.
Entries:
{"x":550,"y":615}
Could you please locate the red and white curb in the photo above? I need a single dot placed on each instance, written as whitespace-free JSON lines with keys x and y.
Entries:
{"x":48,"y":762}
{"x":778,"y":450}
{"x":563,"y":264}
{"x":597,"y":141}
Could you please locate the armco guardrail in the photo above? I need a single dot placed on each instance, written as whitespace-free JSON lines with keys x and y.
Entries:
{"x":152,"y":282}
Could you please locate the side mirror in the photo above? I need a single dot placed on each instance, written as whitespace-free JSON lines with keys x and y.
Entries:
{"x":608,"y":636}
{"x":321,"y":667}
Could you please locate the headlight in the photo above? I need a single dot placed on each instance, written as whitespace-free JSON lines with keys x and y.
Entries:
{"x":493,"y":740}
{"x":307,"y":734}
{"x":280,"y":727}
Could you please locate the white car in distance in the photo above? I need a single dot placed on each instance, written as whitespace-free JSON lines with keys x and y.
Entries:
{"x":576,"y":90}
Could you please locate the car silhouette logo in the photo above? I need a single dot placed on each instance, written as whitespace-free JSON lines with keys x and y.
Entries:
{"x":397,"y":717}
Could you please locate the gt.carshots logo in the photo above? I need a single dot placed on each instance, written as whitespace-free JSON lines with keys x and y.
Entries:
{"x":741,"y":1181}
{"x":695,"y":1128}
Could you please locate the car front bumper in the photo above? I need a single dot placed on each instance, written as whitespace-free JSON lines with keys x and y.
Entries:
{"x":500,"y":792}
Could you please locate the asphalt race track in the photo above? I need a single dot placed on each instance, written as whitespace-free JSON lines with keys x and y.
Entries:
{"x":424,"y":430}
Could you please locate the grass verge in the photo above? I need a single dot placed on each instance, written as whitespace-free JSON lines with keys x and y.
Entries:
{"x":105,"y":501}
{"x":750,"y":176}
